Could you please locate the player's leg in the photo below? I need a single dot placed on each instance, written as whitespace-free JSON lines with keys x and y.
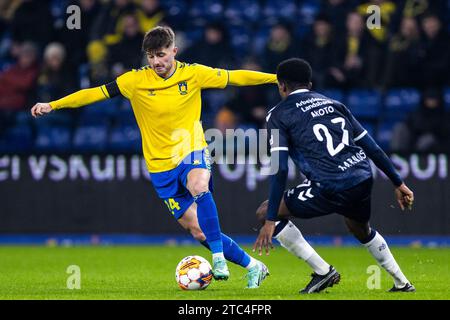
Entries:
{"x":290,"y":237}
{"x":357,"y":204}
{"x":379,"y":249}
{"x":183,"y":185}
{"x":232,"y":251}
{"x":257,"y":271}
{"x":197,"y":183}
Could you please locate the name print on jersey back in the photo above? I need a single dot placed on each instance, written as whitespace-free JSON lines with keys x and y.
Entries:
{"x":320,"y":135}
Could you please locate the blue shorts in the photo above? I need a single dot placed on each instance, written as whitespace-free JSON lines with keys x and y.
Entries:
{"x":307,"y":201}
{"x":171,"y":185}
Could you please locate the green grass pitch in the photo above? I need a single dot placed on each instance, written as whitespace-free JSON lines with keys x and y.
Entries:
{"x":147,"y":272}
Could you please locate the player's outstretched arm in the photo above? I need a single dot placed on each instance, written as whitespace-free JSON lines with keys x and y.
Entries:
{"x":404,"y":195}
{"x":250,"y":78}
{"x":74,"y":100}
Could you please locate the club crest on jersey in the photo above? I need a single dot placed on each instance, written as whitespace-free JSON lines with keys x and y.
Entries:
{"x":182,"y":88}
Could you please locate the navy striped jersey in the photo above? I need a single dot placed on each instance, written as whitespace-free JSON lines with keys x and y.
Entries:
{"x":320,"y":134}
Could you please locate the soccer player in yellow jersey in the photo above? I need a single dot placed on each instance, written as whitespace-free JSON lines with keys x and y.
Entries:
{"x":166,"y":101}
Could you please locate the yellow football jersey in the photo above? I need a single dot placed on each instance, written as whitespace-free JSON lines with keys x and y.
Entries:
{"x":168,"y":110}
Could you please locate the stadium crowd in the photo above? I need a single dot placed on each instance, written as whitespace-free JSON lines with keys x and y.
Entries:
{"x":395,"y":77}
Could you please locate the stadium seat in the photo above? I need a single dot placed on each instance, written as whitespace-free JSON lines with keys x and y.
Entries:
{"x":100,"y":113}
{"x":260,"y":38}
{"x":334,"y":94}
{"x":307,"y":11}
{"x":202,"y":11}
{"x":4,"y":64}
{"x":364,"y":104}
{"x":279,"y":11}
{"x":93,"y":120}
{"x":240,"y":12}
{"x":63,"y":118}
{"x":125,"y":117}
{"x":240,"y":39}
{"x":214,"y":100}
{"x":5,"y":44}
{"x":108,"y":107}
{"x":175,"y":10}
{"x":83,"y":76}
{"x":126,"y":138}
{"x":17,"y":139}
{"x":400,"y":102}
{"x":447,"y":98}
{"x":58,"y":8}
{"x":301,"y":31}
{"x":384,"y":133}
{"x":193,"y":35}
{"x":24,"y":118}
{"x":53,"y":139}
{"x":90,"y":138}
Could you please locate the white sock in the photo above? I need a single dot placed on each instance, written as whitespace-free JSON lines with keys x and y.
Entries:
{"x":380,"y":251}
{"x":292,"y":239}
{"x":253,"y":262}
{"x":218,"y":255}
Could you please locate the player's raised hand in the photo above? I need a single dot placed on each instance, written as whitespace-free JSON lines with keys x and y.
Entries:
{"x":405,"y":197}
{"x":264,"y":239}
{"x":40,"y":108}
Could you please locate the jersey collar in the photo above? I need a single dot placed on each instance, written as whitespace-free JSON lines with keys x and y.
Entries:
{"x":299,"y":91}
{"x":175,"y":70}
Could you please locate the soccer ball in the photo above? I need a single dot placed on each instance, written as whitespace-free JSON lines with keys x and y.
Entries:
{"x":193,"y":273}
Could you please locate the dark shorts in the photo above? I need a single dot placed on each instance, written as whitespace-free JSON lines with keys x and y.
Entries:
{"x":308,"y":201}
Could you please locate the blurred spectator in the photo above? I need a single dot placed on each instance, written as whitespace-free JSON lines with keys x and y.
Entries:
{"x":250,"y":104}
{"x":18,"y":82}
{"x":108,"y":25}
{"x":338,"y":11}
{"x":108,"y":31}
{"x":425,"y":130}
{"x":97,"y":54}
{"x":75,"y":41}
{"x":281,"y":45}
{"x":7,"y":9}
{"x":377,"y":40}
{"x":213,"y":50}
{"x":417,"y":8}
{"x":342,"y":50}
{"x":387,"y":11}
{"x":125,"y":55}
{"x":225,"y":119}
{"x":350,"y":51}
{"x":318,"y":50}
{"x":33,"y":21}
{"x":149,"y":15}
{"x":55,"y":80}
{"x":434,"y":52}
{"x":403,"y":54}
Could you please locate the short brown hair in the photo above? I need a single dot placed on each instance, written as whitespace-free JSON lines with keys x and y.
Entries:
{"x":157,"y":38}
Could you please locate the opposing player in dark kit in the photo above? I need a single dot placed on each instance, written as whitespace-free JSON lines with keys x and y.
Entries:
{"x":332,"y":150}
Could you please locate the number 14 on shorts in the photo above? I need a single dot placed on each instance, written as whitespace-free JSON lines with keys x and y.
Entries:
{"x":172,"y":205}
